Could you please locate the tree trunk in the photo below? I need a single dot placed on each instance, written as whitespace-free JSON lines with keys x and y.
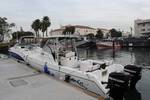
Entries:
{"x":46,"y":32}
{"x":38,"y":34}
{"x":43,"y":34}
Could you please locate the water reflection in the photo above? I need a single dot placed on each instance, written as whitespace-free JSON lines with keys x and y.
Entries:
{"x":133,"y":95}
{"x":142,"y":56}
{"x":124,"y":56}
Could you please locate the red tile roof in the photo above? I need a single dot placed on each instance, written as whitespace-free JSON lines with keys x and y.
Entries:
{"x":79,"y":26}
{"x":57,"y":30}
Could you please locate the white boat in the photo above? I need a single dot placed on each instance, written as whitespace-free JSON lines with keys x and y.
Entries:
{"x":59,"y":58}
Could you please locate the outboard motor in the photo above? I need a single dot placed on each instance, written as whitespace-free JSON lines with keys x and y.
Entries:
{"x":135,"y":73}
{"x":118,"y":84}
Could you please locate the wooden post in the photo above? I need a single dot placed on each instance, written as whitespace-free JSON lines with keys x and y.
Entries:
{"x":113,"y":44}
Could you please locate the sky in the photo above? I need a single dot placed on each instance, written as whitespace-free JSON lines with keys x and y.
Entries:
{"x":119,"y":14}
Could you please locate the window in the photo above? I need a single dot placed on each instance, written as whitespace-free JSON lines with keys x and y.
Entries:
{"x":148,"y":24}
{"x":142,"y":29}
{"x":143,"y":24}
{"x":148,"y":29}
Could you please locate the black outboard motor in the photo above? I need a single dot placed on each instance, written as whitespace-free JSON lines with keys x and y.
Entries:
{"x":118,"y":84}
{"x":135,"y":73}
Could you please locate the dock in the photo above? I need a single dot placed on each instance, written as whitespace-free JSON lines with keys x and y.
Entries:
{"x":20,"y":82}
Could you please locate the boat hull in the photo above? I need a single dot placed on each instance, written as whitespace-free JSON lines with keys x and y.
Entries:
{"x":108,"y":45}
{"x":15,"y":55}
{"x":63,"y":74}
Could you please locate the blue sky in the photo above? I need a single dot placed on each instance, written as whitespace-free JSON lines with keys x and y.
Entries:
{"x":119,"y":14}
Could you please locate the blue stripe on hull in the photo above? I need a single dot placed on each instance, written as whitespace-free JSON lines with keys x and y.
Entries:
{"x":16,"y":56}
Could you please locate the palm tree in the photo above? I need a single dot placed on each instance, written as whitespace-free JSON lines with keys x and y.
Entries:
{"x":36,"y":26}
{"x":99,"y":34}
{"x":45,"y":24}
{"x":43,"y":27}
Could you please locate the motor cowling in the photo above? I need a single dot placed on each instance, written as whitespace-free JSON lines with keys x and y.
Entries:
{"x":135,"y":73}
{"x":118,"y":84}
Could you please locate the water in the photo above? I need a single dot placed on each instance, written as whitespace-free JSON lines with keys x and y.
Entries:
{"x":140,"y":57}
{"x":137,"y":56}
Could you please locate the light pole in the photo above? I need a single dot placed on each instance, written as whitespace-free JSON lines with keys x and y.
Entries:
{"x":131,"y":30}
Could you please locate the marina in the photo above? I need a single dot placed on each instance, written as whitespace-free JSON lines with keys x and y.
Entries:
{"x":74,"y":50}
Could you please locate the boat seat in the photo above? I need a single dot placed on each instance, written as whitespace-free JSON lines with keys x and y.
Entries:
{"x":88,"y":66}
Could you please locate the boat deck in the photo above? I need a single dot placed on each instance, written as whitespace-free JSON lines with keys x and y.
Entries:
{"x":19,"y":82}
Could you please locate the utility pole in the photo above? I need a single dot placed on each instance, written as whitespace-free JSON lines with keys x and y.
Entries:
{"x":131,"y":30}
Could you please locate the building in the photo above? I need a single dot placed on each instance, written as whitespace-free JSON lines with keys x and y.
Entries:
{"x":79,"y":30}
{"x":56,"y":31}
{"x":141,"y":27}
{"x":84,"y":30}
{"x":126,"y":34}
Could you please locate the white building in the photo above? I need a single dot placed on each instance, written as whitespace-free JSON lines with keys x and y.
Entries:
{"x":79,"y":30}
{"x":56,"y":32}
{"x":126,"y":34}
{"x":141,"y":27}
{"x":84,"y":30}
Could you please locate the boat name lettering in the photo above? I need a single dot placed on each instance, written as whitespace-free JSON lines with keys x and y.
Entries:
{"x":77,"y":81}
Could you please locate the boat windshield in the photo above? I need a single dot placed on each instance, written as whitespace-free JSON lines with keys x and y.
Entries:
{"x":31,"y":41}
{"x":61,"y":44}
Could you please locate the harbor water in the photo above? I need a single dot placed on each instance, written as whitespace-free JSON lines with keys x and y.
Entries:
{"x":137,"y":56}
